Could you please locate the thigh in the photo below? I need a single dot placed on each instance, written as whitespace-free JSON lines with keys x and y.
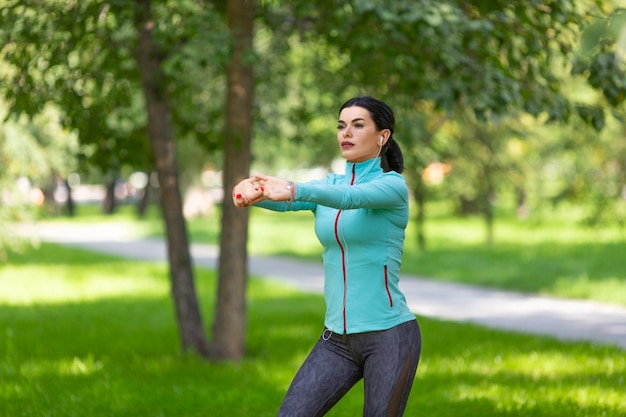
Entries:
{"x":389,"y":370}
{"x":324,"y":378}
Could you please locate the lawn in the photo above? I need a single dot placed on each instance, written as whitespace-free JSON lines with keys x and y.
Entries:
{"x":84,"y":334}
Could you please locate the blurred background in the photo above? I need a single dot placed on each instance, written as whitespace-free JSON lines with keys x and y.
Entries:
{"x":516,"y":108}
{"x":504,"y":109}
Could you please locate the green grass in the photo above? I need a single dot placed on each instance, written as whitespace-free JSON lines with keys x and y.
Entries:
{"x":559,"y":259}
{"x":84,"y":334}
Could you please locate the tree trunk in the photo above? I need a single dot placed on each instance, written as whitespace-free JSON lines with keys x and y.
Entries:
{"x":488,"y":196}
{"x":108,"y":205}
{"x":489,"y":216}
{"x":160,"y":132}
{"x":521,"y":209}
{"x":230,"y":315}
{"x":69,"y":204}
{"x":144,"y":201}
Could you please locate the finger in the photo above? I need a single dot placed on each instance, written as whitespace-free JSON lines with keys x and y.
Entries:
{"x":258,"y":177}
{"x":255,"y":197}
{"x":237,"y":196}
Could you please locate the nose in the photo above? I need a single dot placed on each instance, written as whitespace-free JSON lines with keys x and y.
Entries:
{"x":347,"y":132}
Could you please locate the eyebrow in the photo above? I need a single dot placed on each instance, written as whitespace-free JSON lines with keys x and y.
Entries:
{"x":353,"y":120}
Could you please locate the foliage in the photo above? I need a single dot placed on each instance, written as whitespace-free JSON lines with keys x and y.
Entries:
{"x":492,"y":57}
{"x":81,"y":57}
{"x":124,"y":367}
{"x":481,"y":166}
{"x":602,"y":61}
{"x":294,"y":118}
{"x":59,"y":55}
{"x":575,"y":164}
{"x":33,"y":156}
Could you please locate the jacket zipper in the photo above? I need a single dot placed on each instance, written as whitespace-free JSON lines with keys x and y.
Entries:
{"x":387,"y":288}
{"x":343,"y":260}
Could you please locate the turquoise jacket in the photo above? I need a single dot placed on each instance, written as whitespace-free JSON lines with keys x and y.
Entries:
{"x":360,"y":220}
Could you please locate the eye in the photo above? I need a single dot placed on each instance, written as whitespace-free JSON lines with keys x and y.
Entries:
{"x":359,"y":125}
{"x":339,"y":127}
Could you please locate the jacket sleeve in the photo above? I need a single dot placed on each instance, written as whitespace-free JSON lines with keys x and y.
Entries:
{"x":385,"y":192}
{"x":284,"y":206}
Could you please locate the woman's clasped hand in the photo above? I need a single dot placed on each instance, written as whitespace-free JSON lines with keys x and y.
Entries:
{"x":260,"y":187}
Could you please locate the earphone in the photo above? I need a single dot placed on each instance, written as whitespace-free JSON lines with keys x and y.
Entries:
{"x":380,"y":146}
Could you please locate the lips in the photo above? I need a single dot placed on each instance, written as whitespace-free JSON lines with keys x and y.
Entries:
{"x":345,"y":144}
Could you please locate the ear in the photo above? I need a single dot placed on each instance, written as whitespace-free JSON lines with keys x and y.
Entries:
{"x":384,"y":137}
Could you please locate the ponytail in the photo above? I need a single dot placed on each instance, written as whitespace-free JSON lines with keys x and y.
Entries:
{"x":391,"y":158}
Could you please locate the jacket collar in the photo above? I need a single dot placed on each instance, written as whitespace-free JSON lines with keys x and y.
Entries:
{"x":363,"y":170}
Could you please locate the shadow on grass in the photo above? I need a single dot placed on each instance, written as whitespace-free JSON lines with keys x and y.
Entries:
{"x":120,"y":356}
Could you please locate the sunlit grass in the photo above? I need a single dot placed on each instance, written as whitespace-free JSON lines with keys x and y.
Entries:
{"x":25,"y":282}
{"x":28,"y":285}
{"x":64,"y":367}
{"x":562,"y":258}
{"x":106,"y":344}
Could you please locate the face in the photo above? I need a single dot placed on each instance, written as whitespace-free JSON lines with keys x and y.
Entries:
{"x":357,"y":135}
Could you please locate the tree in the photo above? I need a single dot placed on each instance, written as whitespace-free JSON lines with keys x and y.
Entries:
{"x":602,"y":62}
{"x":230,"y":314}
{"x":422,"y":123}
{"x":483,"y":167}
{"x":33,"y":154}
{"x":96,"y":62}
{"x":161,"y":135}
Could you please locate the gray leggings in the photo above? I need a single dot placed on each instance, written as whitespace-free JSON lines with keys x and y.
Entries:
{"x":386,"y":360}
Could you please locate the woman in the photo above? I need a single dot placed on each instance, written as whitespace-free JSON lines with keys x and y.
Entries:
{"x":360,"y":219}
